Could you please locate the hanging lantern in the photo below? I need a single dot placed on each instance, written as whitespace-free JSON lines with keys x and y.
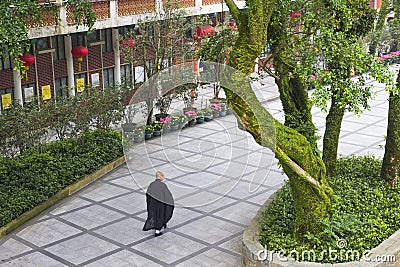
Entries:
{"x":28,"y":60}
{"x":79,"y":52}
{"x":127,"y":43}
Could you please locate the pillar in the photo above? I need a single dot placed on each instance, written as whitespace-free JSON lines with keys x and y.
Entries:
{"x":70,"y":64}
{"x":17,"y":87}
{"x":117,"y":57}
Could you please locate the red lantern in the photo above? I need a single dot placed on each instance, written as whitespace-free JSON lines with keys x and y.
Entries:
{"x":127,"y":43}
{"x":28,"y":60}
{"x":205,"y":31}
{"x":79,"y":52}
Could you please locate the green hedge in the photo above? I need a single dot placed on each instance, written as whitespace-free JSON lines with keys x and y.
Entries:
{"x":37,"y":174}
{"x":366,"y":212}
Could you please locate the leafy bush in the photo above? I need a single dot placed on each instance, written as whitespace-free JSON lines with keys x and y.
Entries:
{"x":366,"y":212}
{"x":38,"y":173}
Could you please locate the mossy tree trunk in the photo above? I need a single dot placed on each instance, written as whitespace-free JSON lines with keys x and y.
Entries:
{"x":331,"y":135}
{"x":295,"y":102}
{"x":391,"y":159}
{"x":304,"y":168}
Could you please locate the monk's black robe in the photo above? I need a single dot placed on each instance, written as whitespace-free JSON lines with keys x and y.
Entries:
{"x":160,"y":206}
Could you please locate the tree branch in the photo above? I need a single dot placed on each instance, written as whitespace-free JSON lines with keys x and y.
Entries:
{"x":234,"y":9}
{"x":296,"y":168}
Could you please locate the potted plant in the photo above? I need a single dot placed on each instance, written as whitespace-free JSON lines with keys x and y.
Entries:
{"x":222,"y":111}
{"x":157,"y":128}
{"x":163,"y":104}
{"x":138,"y":134}
{"x":191,"y":115}
{"x":148,"y":132}
{"x":166,"y":124}
{"x":216,"y":107}
{"x":174,"y":125}
{"x":208,"y":114}
{"x":200,"y":116}
{"x":182,"y":120}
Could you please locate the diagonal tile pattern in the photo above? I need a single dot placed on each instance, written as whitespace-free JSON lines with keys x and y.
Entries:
{"x":219,"y":177}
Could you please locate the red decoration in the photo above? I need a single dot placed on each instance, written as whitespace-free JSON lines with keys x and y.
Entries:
{"x":294,"y":14}
{"x":232,"y":24}
{"x":79,"y":52}
{"x":28,"y":60}
{"x":205,"y":31}
{"x":127,"y":43}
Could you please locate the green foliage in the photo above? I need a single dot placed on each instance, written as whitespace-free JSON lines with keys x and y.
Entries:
{"x":16,"y":14}
{"x":37,"y":174}
{"x":29,"y":126}
{"x":366,"y":212}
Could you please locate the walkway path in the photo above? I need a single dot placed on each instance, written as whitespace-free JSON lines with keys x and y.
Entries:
{"x":218,"y":176}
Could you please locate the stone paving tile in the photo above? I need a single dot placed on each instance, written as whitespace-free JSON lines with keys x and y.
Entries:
{"x":92,"y":216}
{"x":212,"y":258}
{"x":244,"y":213}
{"x":125,"y":232}
{"x":123,"y":258}
{"x":71,"y":204}
{"x":131,"y":203}
{"x":81,"y":248}
{"x":216,"y":229}
{"x":205,"y":201}
{"x":260,"y":198}
{"x":234,"y":244}
{"x":375,"y":130}
{"x":101,"y":191}
{"x":46,"y":232}
{"x":34,"y":260}
{"x":126,"y":181}
{"x":11,"y":248}
{"x":169,"y":247}
{"x":354,"y":138}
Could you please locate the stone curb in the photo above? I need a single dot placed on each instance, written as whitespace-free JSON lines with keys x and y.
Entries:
{"x":390,"y":249}
{"x":25,"y":217}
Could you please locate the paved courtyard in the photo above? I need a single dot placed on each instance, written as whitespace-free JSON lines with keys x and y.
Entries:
{"x":218,"y":176}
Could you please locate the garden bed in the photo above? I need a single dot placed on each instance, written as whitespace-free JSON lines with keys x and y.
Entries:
{"x":53,"y":171}
{"x":367,"y":213}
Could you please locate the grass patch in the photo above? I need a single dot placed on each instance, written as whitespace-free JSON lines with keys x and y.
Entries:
{"x":366,"y":213}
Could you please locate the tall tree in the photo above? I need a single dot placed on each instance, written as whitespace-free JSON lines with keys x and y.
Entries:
{"x":391,"y":159}
{"x":379,"y":26}
{"x":311,"y":192}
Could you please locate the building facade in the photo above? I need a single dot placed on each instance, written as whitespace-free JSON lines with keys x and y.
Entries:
{"x":56,"y":72}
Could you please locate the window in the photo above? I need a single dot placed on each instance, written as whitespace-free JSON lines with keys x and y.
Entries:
{"x":58,"y":45}
{"x":108,"y":77}
{"x":61,"y":87}
{"x":123,"y":31}
{"x":42,"y":43}
{"x":126,"y":74}
{"x":107,"y":38}
{"x":77,"y":39}
{"x":93,"y":37}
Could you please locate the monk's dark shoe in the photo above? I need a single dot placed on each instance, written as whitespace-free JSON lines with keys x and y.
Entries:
{"x":158,"y":234}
